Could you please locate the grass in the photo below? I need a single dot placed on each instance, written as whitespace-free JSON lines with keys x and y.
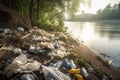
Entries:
{"x":81,"y":61}
{"x":51,"y":27}
{"x":73,"y":54}
{"x":69,"y":40}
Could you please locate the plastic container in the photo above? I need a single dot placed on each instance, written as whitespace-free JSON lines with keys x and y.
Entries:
{"x":84,"y":72}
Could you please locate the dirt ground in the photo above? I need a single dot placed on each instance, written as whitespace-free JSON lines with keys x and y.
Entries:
{"x":91,"y":57}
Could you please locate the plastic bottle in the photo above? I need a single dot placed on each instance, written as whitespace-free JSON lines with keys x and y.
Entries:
{"x":84,"y":72}
{"x":73,"y":66}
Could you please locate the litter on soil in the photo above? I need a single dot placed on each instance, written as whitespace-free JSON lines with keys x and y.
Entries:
{"x":38,"y":55}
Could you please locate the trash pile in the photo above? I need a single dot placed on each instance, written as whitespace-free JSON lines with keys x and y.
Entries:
{"x":38,"y":55}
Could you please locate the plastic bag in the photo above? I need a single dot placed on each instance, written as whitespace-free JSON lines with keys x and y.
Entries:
{"x":74,"y":71}
{"x":27,"y":77}
{"x":21,"y":29}
{"x":54,"y":74}
{"x":79,"y":77}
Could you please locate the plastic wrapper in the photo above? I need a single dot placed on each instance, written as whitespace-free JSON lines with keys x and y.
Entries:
{"x":54,"y":74}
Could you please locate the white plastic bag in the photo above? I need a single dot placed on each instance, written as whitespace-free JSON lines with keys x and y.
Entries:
{"x":54,"y":74}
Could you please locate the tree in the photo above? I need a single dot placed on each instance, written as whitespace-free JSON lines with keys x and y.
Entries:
{"x":44,"y":11}
{"x":109,"y":12}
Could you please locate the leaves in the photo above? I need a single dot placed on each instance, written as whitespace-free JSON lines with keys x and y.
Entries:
{"x":44,"y":11}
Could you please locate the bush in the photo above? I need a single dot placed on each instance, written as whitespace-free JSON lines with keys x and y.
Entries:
{"x":80,"y":61}
{"x":70,"y":40}
{"x":73,"y":54}
{"x":51,"y":27}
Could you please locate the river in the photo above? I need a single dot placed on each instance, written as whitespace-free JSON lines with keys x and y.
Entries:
{"x":101,"y":37}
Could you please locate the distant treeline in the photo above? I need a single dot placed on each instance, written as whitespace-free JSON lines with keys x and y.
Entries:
{"x":108,"y":13}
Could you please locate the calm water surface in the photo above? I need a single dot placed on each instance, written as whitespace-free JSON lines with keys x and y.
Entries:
{"x":101,"y":37}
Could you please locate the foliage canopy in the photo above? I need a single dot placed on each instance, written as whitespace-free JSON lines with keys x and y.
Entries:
{"x":50,"y":12}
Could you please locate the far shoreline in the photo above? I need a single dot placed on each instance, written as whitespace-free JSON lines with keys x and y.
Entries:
{"x":112,"y":20}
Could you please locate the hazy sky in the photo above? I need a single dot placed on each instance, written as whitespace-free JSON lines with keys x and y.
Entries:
{"x":96,"y":5}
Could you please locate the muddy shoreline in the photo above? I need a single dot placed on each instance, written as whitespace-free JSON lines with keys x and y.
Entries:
{"x":96,"y":62}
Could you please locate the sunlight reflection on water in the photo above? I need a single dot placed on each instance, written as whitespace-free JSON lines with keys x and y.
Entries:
{"x":87,"y":32}
{"x":99,"y":37}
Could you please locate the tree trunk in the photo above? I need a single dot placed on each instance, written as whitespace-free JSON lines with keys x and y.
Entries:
{"x":11,"y":19}
{"x":31,"y":10}
{"x":38,"y":7}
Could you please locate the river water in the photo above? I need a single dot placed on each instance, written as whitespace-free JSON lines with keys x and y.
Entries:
{"x":101,"y":37}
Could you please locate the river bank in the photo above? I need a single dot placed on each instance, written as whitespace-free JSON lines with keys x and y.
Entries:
{"x":96,"y":63}
{"x":24,"y":51}
{"x":91,"y":59}
{"x":101,"y":37}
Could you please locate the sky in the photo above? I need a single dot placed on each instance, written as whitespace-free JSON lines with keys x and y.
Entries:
{"x":96,"y":5}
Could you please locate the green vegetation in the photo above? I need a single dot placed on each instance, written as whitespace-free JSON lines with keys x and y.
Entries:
{"x":48,"y":14}
{"x":71,"y":41}
{"x":109,"y":12}
{"x":51,"y":27}
{"x":73,"y":54}
{"x":81,"y":61}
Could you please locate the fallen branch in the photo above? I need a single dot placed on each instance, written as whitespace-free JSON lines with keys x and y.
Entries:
{"x":25,"y":36}
{"x":3,"y":45}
